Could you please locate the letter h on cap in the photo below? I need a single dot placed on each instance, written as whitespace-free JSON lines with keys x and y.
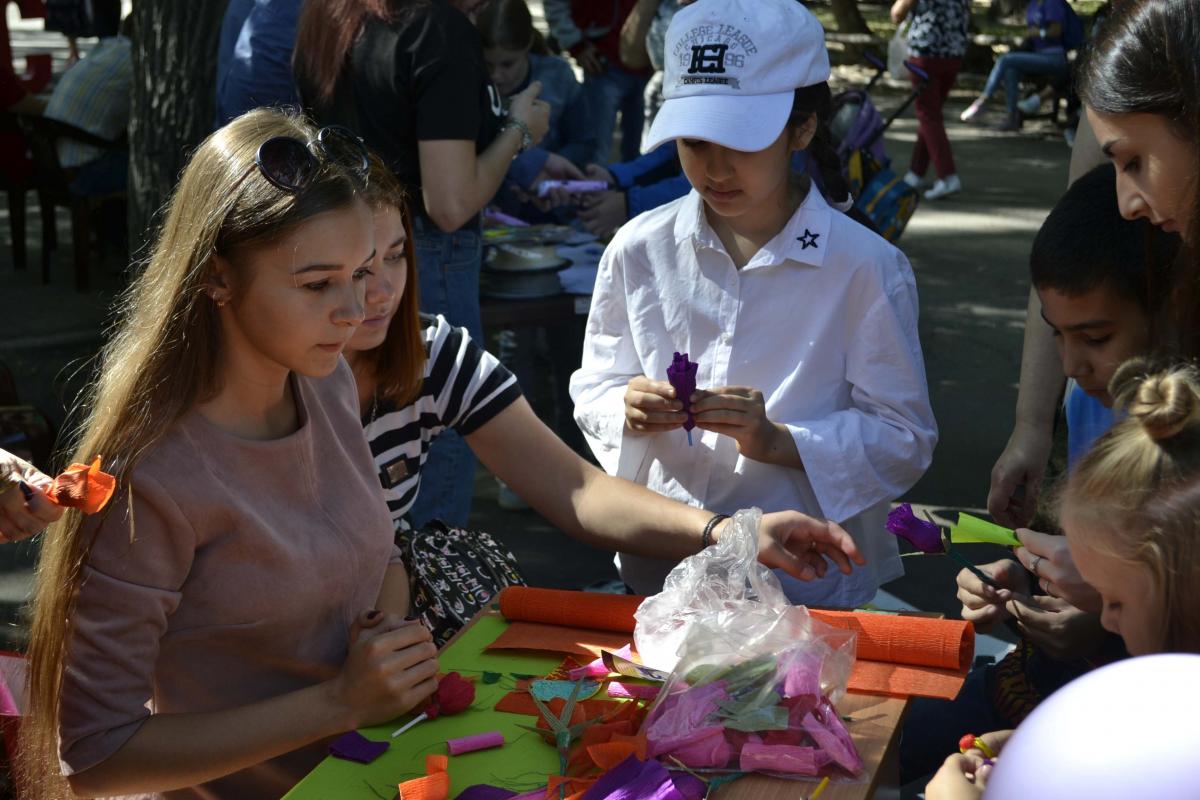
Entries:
{"x":708,"y":58}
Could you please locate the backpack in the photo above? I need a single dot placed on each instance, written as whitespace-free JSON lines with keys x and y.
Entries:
{"x":453,"y":574}
{"x":881,"y":195}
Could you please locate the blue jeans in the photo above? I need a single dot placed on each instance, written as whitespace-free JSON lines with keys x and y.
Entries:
{"x":1011,"y":67}
{"x":448,"y":279}
{"x":108,"y":174}
{"x":612,"y":91}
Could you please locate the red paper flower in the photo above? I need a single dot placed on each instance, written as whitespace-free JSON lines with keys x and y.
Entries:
{"x":453,"y":696}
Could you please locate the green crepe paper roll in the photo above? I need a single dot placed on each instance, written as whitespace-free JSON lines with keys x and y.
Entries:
{"x":970,"y":529}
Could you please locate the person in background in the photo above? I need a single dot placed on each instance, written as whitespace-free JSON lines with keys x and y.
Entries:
{"x":1046,"y":55}
{"x":591,"y":30}
{"x":410,"y":78}
{"x":256,"y":70}
{"x":78,"y":19}
{"x":95,"y":95}
{"x":937,"y":42}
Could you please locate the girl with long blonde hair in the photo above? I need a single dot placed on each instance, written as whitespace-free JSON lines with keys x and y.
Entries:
{"x":241,"y":600}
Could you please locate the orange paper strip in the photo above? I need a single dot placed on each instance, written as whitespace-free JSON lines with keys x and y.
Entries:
{"x":83,"y":486}
{"x":558,"y":639}
{"x":434,"y":786}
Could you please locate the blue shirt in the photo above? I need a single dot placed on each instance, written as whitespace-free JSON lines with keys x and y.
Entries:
{"x":1087,"y":420}
{"x":259,"y":71}
{"x":1042,"y":14}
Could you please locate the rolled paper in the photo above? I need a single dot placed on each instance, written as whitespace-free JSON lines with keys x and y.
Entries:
{"x":971,"y":529}
{"x":591,"y":610}
{"x":480,"y":741}
{"x":574,"y":187}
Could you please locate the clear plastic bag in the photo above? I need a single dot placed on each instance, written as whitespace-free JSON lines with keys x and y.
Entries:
{"x":898,"y":53}
{"x":753,"y":678}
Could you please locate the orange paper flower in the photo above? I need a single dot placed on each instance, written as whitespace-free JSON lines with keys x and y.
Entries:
{"x":83,"y":486}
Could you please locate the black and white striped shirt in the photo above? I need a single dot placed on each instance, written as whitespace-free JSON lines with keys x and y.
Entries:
{"x":464,"y":388}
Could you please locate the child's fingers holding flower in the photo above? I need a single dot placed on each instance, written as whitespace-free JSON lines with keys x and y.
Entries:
{"x":740,"y":412}
{"x":954,"y":781}
{"x":651,"y":406}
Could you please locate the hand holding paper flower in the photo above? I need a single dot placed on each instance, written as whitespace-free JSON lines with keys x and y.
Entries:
{"x":921,"y":534}
{"x":682,"y":377}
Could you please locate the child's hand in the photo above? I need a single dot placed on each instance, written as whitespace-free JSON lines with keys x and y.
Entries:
{"x":603,"y":212}
{"x":740,"y":413}
{"x":799,"y":544}
{"x":533,"y":112}
{"x":983,"y":605}
{"x":958,"y":779}
{"x":651,"y":407}
{"x":387,"y":672}
{"x":595,"y":172}
{"x":1060,"y":629}
{"x":1017,"y":476}
{"x":1049,"y":558}
{"x":24,"y":508}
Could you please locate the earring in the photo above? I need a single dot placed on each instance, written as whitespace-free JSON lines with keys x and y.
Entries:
{"x":219,"y":300}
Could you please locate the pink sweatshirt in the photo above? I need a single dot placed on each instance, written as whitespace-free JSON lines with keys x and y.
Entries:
{"x":247,"y":564}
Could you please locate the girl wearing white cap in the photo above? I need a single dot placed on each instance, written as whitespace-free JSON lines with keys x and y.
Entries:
{"x":812,"y":392}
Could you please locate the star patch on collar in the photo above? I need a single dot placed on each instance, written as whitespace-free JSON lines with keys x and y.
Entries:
{"x":809,"y":239}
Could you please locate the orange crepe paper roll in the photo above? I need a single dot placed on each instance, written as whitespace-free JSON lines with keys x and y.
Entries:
{"x":434,"y":786}
{"x":597,"y":612}
{"x":83,"y":486}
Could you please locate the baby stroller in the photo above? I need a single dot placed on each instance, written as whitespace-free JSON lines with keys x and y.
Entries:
{"x":857,"y":128}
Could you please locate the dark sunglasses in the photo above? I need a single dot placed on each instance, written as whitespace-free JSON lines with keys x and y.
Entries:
{"x":291,"y":164}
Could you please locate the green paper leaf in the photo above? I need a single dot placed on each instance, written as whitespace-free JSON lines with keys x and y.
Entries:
{"x":971,"y":529}
{"x":773,"y":718}
{"x":490,"y":677}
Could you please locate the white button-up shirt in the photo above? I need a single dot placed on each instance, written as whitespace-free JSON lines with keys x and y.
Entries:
{"x":822,"y":321}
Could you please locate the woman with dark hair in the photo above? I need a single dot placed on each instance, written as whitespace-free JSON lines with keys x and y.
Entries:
{"x":1140,"y":85}
{"x":409,"y":76}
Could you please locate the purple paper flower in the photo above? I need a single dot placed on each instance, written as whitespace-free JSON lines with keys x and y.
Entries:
{"x":682,"y":376}
{"x":921,"y":534}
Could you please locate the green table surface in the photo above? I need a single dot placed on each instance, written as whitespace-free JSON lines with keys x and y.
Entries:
{"x":522,"y":764}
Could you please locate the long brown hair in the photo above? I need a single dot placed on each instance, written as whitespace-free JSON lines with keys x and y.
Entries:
{"x":160,"y":362}
{"x":1136,"y":494}
{"x":325,"y":34}
{"x":397,"y":365}
{"x":1146,"y":60}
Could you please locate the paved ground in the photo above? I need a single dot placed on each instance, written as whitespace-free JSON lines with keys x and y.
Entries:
{"x":969,"y":253}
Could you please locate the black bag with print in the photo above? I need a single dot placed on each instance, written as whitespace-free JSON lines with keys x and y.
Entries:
{"x":452,"y":574}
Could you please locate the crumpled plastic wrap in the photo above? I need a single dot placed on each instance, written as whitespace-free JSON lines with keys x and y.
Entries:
{"x":753,"y":678}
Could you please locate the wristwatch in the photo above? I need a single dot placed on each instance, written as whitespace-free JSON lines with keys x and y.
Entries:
{"x":526,"y":136}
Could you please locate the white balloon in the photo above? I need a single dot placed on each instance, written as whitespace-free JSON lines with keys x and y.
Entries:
{"x":1128,"y":731}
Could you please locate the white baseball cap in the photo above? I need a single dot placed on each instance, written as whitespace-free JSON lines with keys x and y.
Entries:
{"x":732,"y":68}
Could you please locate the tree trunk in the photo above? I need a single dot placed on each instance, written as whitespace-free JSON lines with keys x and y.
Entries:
{"x":1001,"y":9}
{"x":849,"y":19}
{"x":173,"y":102}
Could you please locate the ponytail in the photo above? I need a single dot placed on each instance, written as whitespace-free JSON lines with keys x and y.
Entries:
{"x":817,"y":100}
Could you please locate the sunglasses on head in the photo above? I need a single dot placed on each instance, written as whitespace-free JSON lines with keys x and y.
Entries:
{"x":291,"y":164}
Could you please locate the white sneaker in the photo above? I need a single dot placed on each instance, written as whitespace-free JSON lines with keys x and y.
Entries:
{"x":1031,"y":104}
{"x":944,"y":187}
{"x":973,"y":110}
{"x":912,"y":179}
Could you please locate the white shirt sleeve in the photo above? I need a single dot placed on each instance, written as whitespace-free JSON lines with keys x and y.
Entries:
{"x":609,"y":362}
{"x":878,"y":447}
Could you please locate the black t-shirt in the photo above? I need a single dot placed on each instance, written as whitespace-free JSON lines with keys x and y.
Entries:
{"x":420,"y":77}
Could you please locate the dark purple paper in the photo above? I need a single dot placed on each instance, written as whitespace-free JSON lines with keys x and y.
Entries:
{"x":485,"y":791}
{"x":921,"y":534}
{"x":682,"y":376}
{"x":644,"y":780}
{"x":353,"y":746}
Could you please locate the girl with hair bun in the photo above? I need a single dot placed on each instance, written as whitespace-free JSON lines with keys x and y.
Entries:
{"x":1131,"y":511}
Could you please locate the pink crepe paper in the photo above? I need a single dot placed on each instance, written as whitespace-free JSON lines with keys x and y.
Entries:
{"x":782,"y":758}
{"x":683,"y":715}
{"x":826,"y":728}
{"x":479,"y":741}
{"x":802,"y":674}
{"x":706,"y":749}
{"x":597,"y":668}
{"x":633,"y":691}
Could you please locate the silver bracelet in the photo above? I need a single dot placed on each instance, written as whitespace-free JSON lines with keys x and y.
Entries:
{"x":526,"y":136}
